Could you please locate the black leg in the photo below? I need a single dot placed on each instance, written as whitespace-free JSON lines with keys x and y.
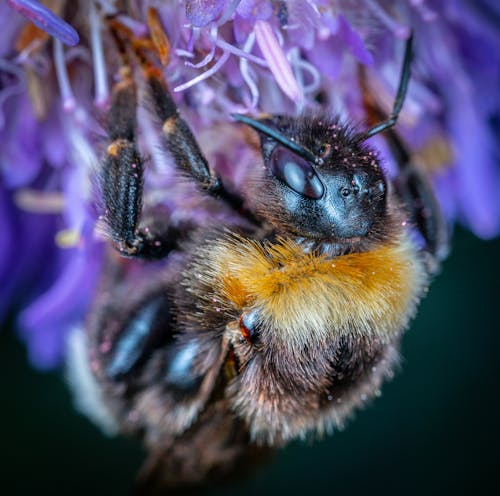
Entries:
{"x":416,"y":192}
{"x":179,"y":139}
{"x":400,"y":96}
{"x":121,"y":183}
{"x":182,"y":146}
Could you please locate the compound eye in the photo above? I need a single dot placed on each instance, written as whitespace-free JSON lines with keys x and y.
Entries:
{"x":296,"y":173}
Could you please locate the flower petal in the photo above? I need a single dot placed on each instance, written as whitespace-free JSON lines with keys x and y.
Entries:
{"x":278,"y":63}
{"x":46,"y":20}
{"x":202,"y":12}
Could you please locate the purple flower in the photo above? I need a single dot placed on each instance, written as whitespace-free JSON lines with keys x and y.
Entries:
{"x":246,"y":56}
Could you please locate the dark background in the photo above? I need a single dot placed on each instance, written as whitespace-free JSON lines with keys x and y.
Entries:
{"x":435,"y":430}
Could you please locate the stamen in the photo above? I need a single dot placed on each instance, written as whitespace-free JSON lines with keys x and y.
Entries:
{"x":277,"y":61}
{"x":100,"y":76}
{"x":39,"y":202}
{"x":425,"y":12}
{"x":245,"y":71}
{"x":68,"y":99}
{"x":204,"y":61}
{"x":82,"y":151}
{"x":244,"y":54}
{"x":39,"y":62}
{"x":400,"y":30}
{"x":108,"y":7}
{"x":249,"y":80}
{"x":78,"y":52}
{"x":46,"y":20}
{"x":184,"y":53}
{"x":193,"y":37}
{"x":302,"y":65}
{"x":209,"y":57}
{"x":30,"y":51}
{"x":78,"y":186}
{"x":210,"y":72}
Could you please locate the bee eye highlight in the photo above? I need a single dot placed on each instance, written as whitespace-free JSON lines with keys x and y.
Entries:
{"x":296,"y":173}
{"x":249,"y":326}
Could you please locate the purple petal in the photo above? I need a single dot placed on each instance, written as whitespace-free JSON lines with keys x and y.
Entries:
{"x":24,"y":235}
{"x":278,"y":63}
{"x":202,"y":12}
{"x":301,"y":23}
{"x":54,"y":149}
{"x":477,"y":178}
{"x":327,"y":56}
{"x":46,"y":20}
{"x":242,"y":27}
{"x":10,"y":30}
{"x":45,"y":323}
{"x":255,"y":9}
{"x":353,"y":42}
{"x":20,"y":157}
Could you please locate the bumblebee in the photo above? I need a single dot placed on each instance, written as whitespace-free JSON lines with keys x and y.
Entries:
{"x":217,"y":343}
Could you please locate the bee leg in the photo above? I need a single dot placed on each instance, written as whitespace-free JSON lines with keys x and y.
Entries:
{"x":179,"y":139}
{"x":417,"y":194}
{"x":121,"y":183}
{"x":182,"y":146}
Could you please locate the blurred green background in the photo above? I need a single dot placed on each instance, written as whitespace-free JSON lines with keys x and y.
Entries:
{"x":435,"y":430}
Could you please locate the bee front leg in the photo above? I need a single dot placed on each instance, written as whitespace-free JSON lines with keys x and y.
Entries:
{"x":182,"y":145}
{"x":179,"y":139}
{"x":121,"y":183}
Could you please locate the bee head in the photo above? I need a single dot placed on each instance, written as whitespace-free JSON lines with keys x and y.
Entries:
{"x":320,"y":181}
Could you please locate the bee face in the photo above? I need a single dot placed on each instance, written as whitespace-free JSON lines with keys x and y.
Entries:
{"x":340,"y":194}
